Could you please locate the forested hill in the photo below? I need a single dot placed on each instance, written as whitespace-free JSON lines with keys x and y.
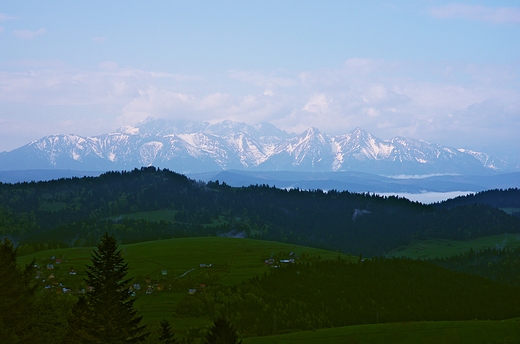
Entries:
{"x":509,"y":198}
{"x":76,"y":211}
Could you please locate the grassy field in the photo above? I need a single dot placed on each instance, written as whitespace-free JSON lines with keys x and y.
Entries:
{"x":166,"y":215}
{"x":441,"y":248}
{"x":438,"y":332}
{"x":175,"y":264}
{"x":233,"y":260}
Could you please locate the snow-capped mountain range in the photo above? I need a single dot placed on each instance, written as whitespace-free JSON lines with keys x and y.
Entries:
{"x":191,"y":147}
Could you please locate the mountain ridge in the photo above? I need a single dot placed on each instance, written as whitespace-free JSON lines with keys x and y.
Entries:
{"x":194,"y":147}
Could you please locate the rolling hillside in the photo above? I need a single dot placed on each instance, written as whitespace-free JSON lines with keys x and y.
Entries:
{"x":212,"y":273}
{"x":232,"y":261}
{"x":438,"y":332}
{"x":132,"y":205}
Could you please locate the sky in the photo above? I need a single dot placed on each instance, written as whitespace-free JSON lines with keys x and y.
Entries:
{"x":441,"y":71}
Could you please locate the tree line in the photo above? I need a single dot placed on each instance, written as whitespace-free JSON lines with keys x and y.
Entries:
{"x":498,"y":264}
{"x":497,"y":198}
{"x":74,"y":211}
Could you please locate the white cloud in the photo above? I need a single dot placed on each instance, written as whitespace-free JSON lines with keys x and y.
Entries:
{"x":375,"y":94}
{"x":5,"y":17}
{"x":48,"y":84}
{"x":28,"y":34}
{"x":478,"y":13}
{"x":431,"y":102}
{"x":154,"y":102}
{"x":212,"y":107}
{"x":371,"y":112}
{"x":318,"y":104}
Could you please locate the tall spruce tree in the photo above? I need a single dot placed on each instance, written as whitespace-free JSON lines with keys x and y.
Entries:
{"x":79,"y":324}
{"x":106,"y":314}
{"x":16,"y":296}
{"x":222,"y":332}
{"x":167,"y":335}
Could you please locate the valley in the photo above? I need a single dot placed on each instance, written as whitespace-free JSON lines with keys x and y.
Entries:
{"x":169,"y":270}
{"x":277,"y":262}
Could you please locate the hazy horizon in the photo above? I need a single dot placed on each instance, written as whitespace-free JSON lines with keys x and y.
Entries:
{"x":427,"y":197}
{"x":440,"y":71}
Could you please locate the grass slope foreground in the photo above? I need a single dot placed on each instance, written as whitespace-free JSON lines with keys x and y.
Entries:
{"x":438,"y":332}
{"x":172,"y":267}
{"x":229,"y":277}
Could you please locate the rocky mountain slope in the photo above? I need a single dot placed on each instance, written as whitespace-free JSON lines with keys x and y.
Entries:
{"x":191,"y":147}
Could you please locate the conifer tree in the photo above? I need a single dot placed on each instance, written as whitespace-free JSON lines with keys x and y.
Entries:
{"x":222,"y":332}
{"x":16,"y":295}
{"x":106,"y":314}
{"x":78,"y":330}
{"x":167,"y":336}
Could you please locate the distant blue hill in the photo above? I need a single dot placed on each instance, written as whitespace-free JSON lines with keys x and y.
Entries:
{"x":341,"y":181}
{"x":21,"y":176}
{"x":363,"y":182}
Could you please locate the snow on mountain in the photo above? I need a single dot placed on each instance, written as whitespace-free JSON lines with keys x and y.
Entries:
{"x":488,"y":161}
{"x":361,"y":145}
{"x":309,"y":151}
{"x":148,"y":152}
{"x":190,"y":146}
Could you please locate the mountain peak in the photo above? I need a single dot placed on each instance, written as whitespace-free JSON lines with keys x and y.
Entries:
{"x":312,"y":131}
{"x":359,"y":132}
{"x":129,"y":130}
{"x":190,"y":146}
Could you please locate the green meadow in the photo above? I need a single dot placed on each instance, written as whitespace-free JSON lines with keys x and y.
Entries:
{"x":442,"y":248}
{"x":432,"y":332}
{"x":166,"y":215}
{"x":162,"y":215}
{"x":177,"y":265}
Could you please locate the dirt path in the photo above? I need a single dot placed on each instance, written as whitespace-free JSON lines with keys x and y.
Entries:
{"x":184,"y":274}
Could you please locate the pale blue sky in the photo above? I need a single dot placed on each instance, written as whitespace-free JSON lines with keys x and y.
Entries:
{"x":446,"y":72}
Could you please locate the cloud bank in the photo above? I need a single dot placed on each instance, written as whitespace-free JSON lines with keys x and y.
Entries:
{"x":464,"y":105}
{"x":5,"y":17}
{"x":28,"y":34}
{"x":497,"y":15}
